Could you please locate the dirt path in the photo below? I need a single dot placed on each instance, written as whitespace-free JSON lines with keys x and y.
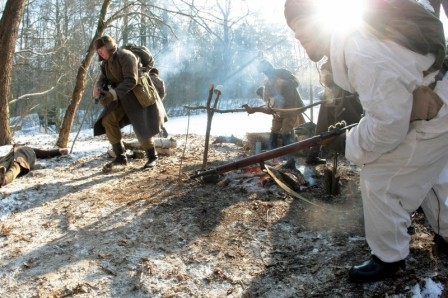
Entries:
{"x":76,"y":232}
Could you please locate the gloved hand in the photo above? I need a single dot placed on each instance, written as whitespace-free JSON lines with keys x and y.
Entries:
{"x":336,"y":143}
{"x":107,"y":97}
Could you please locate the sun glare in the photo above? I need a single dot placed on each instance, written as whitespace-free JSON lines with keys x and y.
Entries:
{"x":340,"y":15}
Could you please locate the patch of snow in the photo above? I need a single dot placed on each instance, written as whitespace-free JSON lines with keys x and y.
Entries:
{"x":18,"y":194}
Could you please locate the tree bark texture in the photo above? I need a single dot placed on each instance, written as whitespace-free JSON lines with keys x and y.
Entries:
{"x":9,"y":27}
{"x":80,"y":84}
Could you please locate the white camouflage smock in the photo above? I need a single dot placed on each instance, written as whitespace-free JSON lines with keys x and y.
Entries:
{"x":403,"y":164}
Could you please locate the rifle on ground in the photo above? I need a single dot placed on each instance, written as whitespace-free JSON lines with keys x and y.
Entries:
{"x":259,"y":158}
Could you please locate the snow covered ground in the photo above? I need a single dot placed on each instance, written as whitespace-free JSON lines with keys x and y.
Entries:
{"x":238,"y":125}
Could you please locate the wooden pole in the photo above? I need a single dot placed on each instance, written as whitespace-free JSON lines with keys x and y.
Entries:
{"x":209,"y":125}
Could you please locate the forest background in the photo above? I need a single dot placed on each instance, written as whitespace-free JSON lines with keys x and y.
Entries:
{"x":195,"y":43}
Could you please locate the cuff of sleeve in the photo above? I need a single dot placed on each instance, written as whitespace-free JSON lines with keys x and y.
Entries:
{"x":114,"y":94}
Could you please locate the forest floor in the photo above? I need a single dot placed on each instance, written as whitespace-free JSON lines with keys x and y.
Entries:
{"x":74,"y":231}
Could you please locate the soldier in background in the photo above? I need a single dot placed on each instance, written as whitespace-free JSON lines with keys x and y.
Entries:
{"x":280,"y":91}
{"x":338,"y":105}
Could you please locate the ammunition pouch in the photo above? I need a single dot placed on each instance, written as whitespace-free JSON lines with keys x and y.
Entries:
{"x":145,"y":92}
{"x":425,"y":104}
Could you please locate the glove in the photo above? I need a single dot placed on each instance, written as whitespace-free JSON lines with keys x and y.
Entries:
{"x":107,"y":97}
{"x":336,"y":143}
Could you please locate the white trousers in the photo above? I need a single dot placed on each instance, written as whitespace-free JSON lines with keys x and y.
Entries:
{"x":399,"y":182}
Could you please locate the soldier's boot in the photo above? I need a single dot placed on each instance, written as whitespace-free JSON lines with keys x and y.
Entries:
{"x":151,"y":154}
{"x":120,"y":159}
{"x":286,"y":139}
{"x":374,"y":270}
{"x":273,"y":140}
{"x":313,"y":157}
{"x":440,"y":247}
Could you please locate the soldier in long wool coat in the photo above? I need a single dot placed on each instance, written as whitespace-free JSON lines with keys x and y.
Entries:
{"x":120,"y":72}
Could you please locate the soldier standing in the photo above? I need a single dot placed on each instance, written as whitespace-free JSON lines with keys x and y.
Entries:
{"x":280,"y":91}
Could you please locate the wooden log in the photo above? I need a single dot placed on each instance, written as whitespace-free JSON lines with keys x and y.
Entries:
{"x":164,"y":146}
{"x":159,"y":143}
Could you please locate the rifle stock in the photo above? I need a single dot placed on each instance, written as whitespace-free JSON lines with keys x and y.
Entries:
{"x":307,"y":143}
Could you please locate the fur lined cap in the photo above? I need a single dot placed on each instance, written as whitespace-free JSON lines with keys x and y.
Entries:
{"x":107,"y":41}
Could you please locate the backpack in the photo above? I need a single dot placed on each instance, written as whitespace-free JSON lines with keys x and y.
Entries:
{"x":143,"y":54}
{"x":409,"y":24}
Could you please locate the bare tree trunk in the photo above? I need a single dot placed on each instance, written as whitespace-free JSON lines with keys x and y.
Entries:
{"x":80,"y":84}
{"x":9,"y":27}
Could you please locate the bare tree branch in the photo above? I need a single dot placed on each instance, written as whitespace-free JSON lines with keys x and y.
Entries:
{"x":31,"y":95}
{"x":35,"y":94}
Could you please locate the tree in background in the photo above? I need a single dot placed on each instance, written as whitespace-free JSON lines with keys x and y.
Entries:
{"x":194,"y":43}
{"x":9,"y":27}
{"x":80,"y":84}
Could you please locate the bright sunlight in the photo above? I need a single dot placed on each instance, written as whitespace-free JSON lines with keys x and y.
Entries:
{"x":341,"y":15}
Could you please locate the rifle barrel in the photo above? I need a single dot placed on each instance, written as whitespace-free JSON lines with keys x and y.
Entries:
{"x":307,"y":143}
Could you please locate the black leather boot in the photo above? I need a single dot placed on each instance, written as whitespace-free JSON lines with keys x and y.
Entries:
{"x":286,"y":139}
{"x":374,"y":270}
{"x":440,"y":247}
{"x":151,"y":153}
{"x":120,"y":159}
{"x":313,"y":157}
{"x":273,"y":140}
